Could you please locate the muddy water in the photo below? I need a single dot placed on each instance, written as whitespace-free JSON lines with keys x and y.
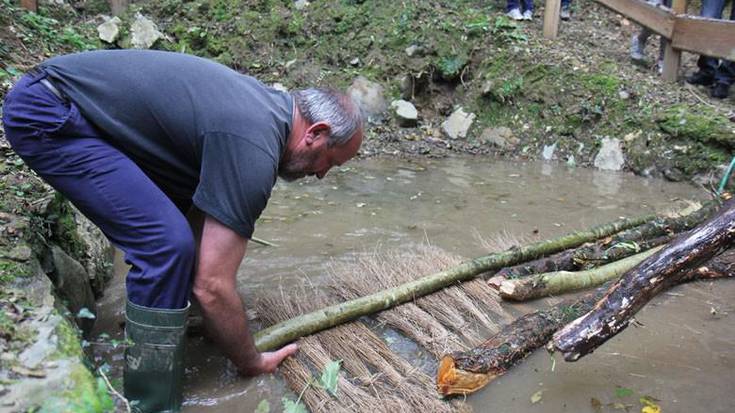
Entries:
{"x":682,"y":354}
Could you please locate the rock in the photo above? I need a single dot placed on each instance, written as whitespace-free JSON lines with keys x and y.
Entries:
{"x":72,"y":284}
{"x":405,"y":83}
{"x":45,"y":344}
{"x":624,"y":95}
{"x":674,"y":174}
{"x":20,"y":252}
{"x":144,"y":32}
{"x":98,"y":252}
{"x":405,"y":113}
{"x":300,"y":4}
{"x":109,"y":30}
{"x":548,"y":152}
{"x":414,"y":50}
{"x":502,"y":137}
{"x":278,"y":86}
{"x":355,"y":62}
{"x":610,"y":157}
{"x":369,"y":96}
{"x":458,"y":124}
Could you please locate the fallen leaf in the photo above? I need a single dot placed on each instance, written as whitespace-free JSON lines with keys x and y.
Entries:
{"x":263,"y":407}
{"x":289,"y":406}
{"x":623,"y":392}
{"x":329,"y":377}
{"x":536,"y":397}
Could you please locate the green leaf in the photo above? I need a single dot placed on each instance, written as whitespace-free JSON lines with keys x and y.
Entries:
{"x":85,"y":313}
{"x":623,"y":392}
{"x":263,"y":407}
{"x":329,"y":377}
{"x":289,"y":406}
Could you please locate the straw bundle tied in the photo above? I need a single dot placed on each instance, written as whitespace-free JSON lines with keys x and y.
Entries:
{"x":374,"y":377}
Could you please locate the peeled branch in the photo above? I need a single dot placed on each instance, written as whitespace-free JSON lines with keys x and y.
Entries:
{"x":638,"y":286}
{"x":560,"y":282}
{"x":465,"y":372}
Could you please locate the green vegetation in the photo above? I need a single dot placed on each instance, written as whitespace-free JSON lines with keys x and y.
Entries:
{"x":86,"y":394}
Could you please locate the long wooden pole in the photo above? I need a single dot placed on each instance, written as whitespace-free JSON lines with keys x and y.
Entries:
{"x":672,"y":57}
{"x":551,"y":19}
{"x":289,"y":330}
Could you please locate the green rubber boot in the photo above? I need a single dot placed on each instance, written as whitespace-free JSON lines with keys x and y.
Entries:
{"x":154,"y":359}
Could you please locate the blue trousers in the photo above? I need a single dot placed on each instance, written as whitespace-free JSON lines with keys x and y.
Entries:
{"x":722,"y":71}
{"x":72,"y":155}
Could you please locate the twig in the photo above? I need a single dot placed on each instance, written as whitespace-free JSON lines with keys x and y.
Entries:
{"x":263,"y":242}
{"x":115,"y":392}
{"x":694,"y":93}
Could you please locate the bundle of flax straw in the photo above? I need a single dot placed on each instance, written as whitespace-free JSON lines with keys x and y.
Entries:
{"x":378,"y":374}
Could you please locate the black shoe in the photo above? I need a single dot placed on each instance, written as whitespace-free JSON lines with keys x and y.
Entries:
{"x":701,"y":78}
{"x":720,"y":90}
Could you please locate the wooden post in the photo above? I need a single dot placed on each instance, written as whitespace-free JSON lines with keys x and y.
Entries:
{"x":551,"y":19}
{"x":118,"y":6}
{"x":31,"y":5}
{"x":672,"y":57}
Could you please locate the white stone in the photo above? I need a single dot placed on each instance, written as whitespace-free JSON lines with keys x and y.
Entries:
{"x":548,"y":152}
{"x":405,"y":112}
{"x":279,"y":86}
{"x":300,"y":4}
{"x":610,"y":157}
{"x":411,"y":50}
{"x":144,"y":32}
{"x":109,"y":30}
{"x":369,"y":97}
{"x":458,"y":124}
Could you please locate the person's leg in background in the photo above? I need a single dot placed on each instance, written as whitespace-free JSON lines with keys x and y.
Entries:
{"x":705,"y":75}
{"x":566,"y":9}
{"x":53,"y":139}
{"x":514,"y":10}
{"x":527,"y":9}
{"x":725,"y":73}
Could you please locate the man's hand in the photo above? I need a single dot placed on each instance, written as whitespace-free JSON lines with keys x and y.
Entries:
{"x":268,"y":362}
{"x":220,"y":252}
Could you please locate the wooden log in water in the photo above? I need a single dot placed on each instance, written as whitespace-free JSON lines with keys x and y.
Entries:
{"x":277,"y":335}
{"x":461,"y":373}
{"x":628,"y":295}
{"x":610,"y":249}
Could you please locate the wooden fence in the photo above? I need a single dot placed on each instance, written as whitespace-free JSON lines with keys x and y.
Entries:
{"x":680,"y":31}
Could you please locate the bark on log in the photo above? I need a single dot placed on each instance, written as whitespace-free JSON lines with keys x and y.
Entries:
{"x":560,"y":282}
{"x":647,"y":235}
{"x":277,"y":335}
{"x":628,"y":295}
{"x":466,"y":372}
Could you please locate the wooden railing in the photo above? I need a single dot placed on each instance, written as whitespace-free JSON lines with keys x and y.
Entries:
{"x":680,"y":31}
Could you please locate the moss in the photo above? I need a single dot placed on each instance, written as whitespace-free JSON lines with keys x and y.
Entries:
{"x":84,"y":394}
{"x":10,"y":270}
{"x":699,"y":124}
{"x":599,"y":83}
{"x":69,"y":341}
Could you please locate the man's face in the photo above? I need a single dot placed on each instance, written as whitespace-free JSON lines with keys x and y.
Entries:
{"x":312,"y":156}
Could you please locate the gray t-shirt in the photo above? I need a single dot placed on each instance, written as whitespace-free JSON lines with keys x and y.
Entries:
{"x":198,"y":129}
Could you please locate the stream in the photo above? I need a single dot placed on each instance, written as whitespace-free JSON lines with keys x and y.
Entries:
{"x":681,"y":352}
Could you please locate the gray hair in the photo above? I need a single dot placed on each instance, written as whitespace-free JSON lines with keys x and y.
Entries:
{"x":336,"y":109}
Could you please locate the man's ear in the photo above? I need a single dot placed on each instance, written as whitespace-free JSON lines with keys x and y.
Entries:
{"x":317,"y":131}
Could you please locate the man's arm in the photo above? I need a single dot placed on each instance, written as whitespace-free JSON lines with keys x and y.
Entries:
{"x":219,"y":255}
